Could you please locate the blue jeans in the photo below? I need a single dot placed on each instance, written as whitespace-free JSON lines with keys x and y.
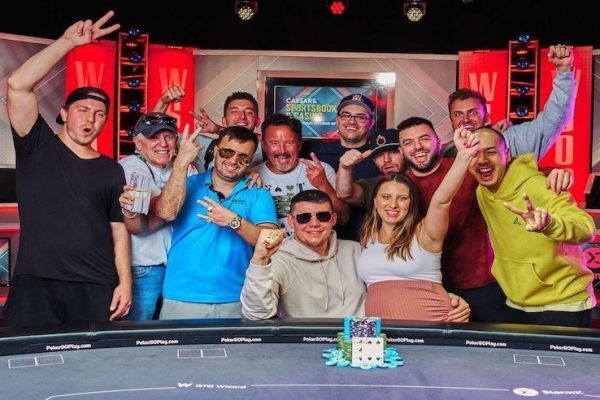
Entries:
{"x":146,"y":291}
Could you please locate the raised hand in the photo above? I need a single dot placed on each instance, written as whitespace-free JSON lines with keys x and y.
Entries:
{"x":502,"y":125}
{"x":466,"y":142}
{"x":188,"y":148}
{"x":215,"y":212}
{"x":561,"y":56}
{"x":207,"y":127}
{"x":84,"y":32}
{"x":536,"y":219}
{"x":353,"y":157}
{"x":315,"y":172}
{"x":559,"y":180}
{"x":269,"y":241}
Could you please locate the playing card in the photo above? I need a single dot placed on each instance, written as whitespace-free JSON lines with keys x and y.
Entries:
{"x":367,"y":350}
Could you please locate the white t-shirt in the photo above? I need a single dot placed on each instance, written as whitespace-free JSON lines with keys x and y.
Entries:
{"x":284,"y":186}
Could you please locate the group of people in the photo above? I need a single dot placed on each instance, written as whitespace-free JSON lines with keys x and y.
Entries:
{"x":259,"y":225}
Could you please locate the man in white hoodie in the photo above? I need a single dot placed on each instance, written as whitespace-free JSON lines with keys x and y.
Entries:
{"x":311,"y":274}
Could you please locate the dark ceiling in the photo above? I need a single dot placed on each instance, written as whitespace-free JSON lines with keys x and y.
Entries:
{"x":367,"y":26}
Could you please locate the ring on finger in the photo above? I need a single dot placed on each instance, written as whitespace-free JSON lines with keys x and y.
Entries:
{"x":210,"y":208}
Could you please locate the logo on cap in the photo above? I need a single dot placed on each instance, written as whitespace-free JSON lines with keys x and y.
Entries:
{"x":380,"y":140}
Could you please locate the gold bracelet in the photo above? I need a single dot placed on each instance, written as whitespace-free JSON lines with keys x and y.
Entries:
{"x":127,"y":216}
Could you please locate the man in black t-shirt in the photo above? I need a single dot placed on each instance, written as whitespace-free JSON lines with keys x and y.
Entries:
{"x":73,"y":261}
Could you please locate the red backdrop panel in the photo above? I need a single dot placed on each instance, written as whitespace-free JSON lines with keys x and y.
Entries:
{"x":172,"y":66}
{"x":94,"y":65}
{"x":572,"y":149}
{"x":487,"y":72}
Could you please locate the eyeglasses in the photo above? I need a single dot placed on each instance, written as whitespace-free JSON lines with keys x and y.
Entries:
{"x":304,"y":218}
{"x":158,"y":119}
{"x":228,"y":153}
{"x":361,"y":118}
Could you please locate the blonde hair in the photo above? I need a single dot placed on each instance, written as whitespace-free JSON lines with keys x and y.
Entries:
{"x":404,"y":231}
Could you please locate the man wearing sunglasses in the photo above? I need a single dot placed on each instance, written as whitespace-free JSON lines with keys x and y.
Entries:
{"x":73,"y":263}
{"x":155,"y":139}
{"x":216,"y":221}
{"x":285,"y":174}
{"x":311,"y":274}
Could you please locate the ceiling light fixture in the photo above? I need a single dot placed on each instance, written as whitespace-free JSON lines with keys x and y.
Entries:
{"x":337,"y":7}
{"x":246,"y":9}
{"x":414,"y":10}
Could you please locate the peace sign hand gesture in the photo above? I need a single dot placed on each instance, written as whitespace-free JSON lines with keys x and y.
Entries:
{"x":536,"y":219}
{"x":84,"y":32}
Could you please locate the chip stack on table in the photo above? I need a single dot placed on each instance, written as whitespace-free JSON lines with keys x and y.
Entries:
{"x":362,"y":345}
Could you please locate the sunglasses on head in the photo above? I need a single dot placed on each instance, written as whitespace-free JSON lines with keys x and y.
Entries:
{"x":228,"y":153}
{"x":155,"y":119}
{"x":304,"y":218}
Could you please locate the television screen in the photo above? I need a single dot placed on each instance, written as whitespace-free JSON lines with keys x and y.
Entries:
{"x":4,"y":261}
{"x":314,"y":101}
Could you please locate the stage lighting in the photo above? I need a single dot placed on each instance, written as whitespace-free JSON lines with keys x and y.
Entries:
{"x":135,"y":57}
{"x":524,"y":37}
{"x":246,"y":9}
{"x":134,"y":106}
{"x":522,"y":111}
{"x":337,"y":7}
{"x":414,"y":10}
{"x":134,"y":82}
{"x":523,"y":89}
{"x":522,"y":63}
{"x":134,"y":31}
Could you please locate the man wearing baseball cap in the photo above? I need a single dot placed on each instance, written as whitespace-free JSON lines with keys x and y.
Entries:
{"x":385,"y":152}
{"x":73,"y":262}
{"x":155,"y":139}
{"x":355,"y":118}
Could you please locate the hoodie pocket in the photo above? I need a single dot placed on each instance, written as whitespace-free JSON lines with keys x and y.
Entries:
{"x":520,"y":282}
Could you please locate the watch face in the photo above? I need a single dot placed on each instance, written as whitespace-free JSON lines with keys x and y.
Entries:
{"x":235,"y":222}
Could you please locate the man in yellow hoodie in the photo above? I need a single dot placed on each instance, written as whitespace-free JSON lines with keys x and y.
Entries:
{"x":535,"y":234}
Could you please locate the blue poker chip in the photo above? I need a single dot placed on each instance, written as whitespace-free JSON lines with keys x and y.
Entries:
{"x":343,"y":363}
{"x":331,"y":362}
{"x":367,"y":366}
{"x":383,"y":365}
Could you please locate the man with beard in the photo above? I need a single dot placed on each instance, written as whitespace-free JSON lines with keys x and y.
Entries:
{"x":467,"y":254}
{"x":73,"y":262}
{"x":285,"y":174}
{"x":385,"y":152}
{"x":216,"y":221}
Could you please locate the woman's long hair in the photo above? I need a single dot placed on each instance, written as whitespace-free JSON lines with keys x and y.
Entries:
{"x":404,"y":230}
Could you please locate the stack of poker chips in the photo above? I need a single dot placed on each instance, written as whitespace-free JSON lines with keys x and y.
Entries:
{"x":367,"y":330}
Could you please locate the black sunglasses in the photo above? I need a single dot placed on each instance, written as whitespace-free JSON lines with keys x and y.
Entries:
{"x":155,"y":119}
{"x":304,"y":218}
{"x":228,"y":153}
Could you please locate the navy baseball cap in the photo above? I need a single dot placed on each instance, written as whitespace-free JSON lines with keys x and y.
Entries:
{"x":151,"y":123}
{"x":85,"y":92}
{"x":387,"y":139}
{"x":357,"y":99}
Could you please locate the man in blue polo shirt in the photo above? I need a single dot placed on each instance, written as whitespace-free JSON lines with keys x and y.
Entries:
{"x":216,"y":221}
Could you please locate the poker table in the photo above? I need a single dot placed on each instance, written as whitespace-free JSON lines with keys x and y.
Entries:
{"x":282,"y":359}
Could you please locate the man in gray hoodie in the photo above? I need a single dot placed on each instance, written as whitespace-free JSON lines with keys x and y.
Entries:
{"x":311,"y":274}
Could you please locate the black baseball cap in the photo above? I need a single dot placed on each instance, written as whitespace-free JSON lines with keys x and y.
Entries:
{"x":153,"y":122}
{"x":85,"y":92}
{"x":387,"y":139}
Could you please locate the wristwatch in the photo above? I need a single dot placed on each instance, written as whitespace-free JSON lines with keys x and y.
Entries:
{"x":235,"y":222}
